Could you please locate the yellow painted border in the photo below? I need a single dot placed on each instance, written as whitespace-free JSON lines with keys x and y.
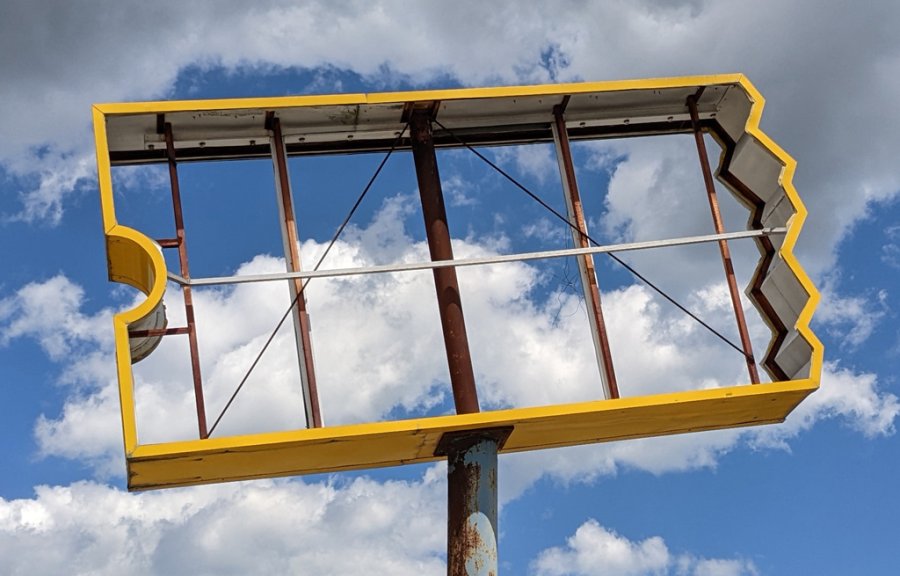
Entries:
{"x":786,"y":251}
{"x":134,"y":259}
{"x":276,"y":102}
{"x":406,"y":441}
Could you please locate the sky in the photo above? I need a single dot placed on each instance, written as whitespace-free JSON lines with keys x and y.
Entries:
{"x":814,"y":495}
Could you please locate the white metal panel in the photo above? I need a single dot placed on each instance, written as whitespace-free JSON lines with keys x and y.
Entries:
{"x":778,"y":212}
{"x":757,"y":168}
{"x":337,"y":123}
{"x":733,"y":111}
{"x":794,"y":355}
{"x":142,"y":346}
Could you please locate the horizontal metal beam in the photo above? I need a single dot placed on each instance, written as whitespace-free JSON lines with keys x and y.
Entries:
{"x":628,"y":246}
{"x":486,"y":136}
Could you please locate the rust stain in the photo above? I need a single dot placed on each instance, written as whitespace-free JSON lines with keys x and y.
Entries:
{"x":472,"y":543}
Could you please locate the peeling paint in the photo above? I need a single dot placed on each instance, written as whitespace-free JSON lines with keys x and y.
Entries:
{"x":472,"y":507}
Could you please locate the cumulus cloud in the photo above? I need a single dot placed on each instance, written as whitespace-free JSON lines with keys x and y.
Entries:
{"x":46,"y":191}
{"x":286,"y":527}
{"x":851,"y":320}
{"x":264,"y":527}
{"x":373,"y":336}
{"x":58,"y":73}
{"x":595,"y":550}
{"x":664,"y":173}
{"x":842,"y":169}
{"x":458,"y":191}
{"x":538,"y":161}
{"x":50,"y":313}
{"x":856,"y":398}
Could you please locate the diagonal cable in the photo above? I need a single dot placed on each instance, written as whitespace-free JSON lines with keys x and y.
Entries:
{"x":624,"y":264}
{"x":300,"y":292}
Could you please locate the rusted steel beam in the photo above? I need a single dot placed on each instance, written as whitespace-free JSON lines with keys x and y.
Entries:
{"x":472,"y":500}
{"x":585,"y":262}
{"x":168,"y":242}
{"x":158,"y":332}
{"x":186,"y":289}
{"x":292,"y":257}
{"x":462,"y":377}
{"x":746,"y":344}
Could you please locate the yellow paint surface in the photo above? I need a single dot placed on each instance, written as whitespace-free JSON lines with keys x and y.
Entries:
{"x":414,"y":441}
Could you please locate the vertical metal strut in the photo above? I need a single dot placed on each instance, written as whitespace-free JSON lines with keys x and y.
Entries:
{"x":185,"y":289}
{"x":472,"y":500}
{"x":585,"y":262}
{"x":292,"y":258}
{"x":723,"y":244}
{"x":462,"y":377}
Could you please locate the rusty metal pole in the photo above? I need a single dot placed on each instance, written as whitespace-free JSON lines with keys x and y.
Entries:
{"x":586,"y":262}
{"x":292,"y":258}
{"x":462,"y":377}
{"x":186,"y":289}
{"x":723,"y":244}
{"x":472,"y":500}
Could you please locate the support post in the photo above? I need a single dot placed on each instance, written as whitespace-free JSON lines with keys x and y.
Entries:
{"x":586,"y":261}
{"x":472,"y":500}
{"x":302,"y":336}
{"x":186,"y":289}
{"x":746,"y":345}
{"x":462,"y":377}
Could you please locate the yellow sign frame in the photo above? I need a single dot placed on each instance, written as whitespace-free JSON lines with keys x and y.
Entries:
{"x":134,"y":259}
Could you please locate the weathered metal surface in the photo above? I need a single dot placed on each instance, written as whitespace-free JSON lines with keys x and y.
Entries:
{"x":186,"y":273}
{"x":158,"y":332}
{"x":464,"y":262}
{"x":168,"y":242}
{"x":472,"y":501}
{"x":585,"y":262}
{"x":292,"y":257}
{"x":456,"y":343}
{"x":146,"y":335}
{"x":723,"y":244}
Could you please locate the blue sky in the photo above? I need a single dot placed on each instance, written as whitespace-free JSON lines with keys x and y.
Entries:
{"x":814,"y":495}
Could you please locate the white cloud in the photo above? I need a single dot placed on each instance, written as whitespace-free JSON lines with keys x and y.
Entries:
{"x":890,"y":250}
{"x":662,"y":173}
{"x":547,"y":232}
{"x":856,"y":398}
{"x":88,"y":431}
{"x":850,"y":320}
{"x":843,"y":166}
{"x":371,"y":334}
{"x":594,"y":551}
{"x":459,"y":191}
{"x":60,"y":176}
{"x":373,"y":337}
{"x":656,"y":191}
{"x":263,"y":527}
{"x":535,"y":160}
{"x":137,"y":50}
{"x":50,"y":313}
{"x":853,"y":398}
